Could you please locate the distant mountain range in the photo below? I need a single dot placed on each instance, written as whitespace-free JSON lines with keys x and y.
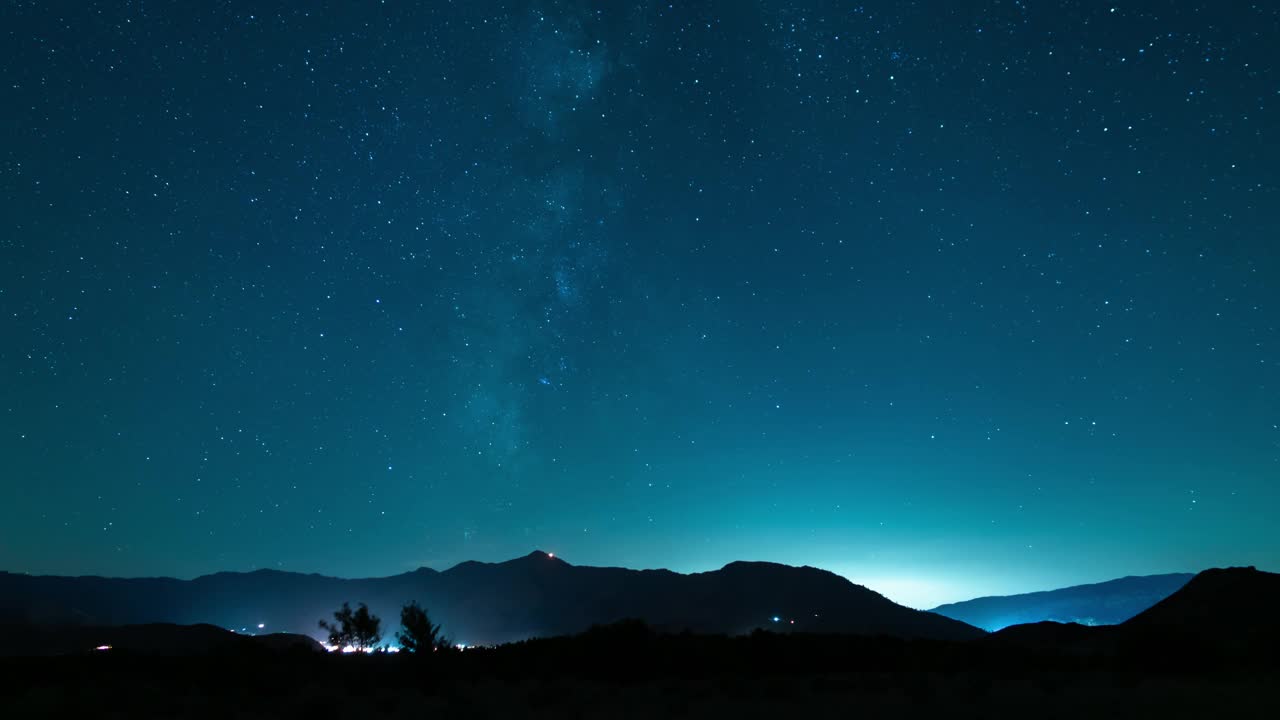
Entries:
{"x":487,"y":603}
{"x":1105,"y":603}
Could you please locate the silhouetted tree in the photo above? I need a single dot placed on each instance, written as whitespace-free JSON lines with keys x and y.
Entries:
{"x":417,"y":633}
{"x":359,"y":629}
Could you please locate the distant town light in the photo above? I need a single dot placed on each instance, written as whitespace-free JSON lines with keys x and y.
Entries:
{"x":102,"y":648}
{"x":551,"y":555}
{"x":349,"y":649}
{"x":261,"y":625}
{"x":776,"y":618}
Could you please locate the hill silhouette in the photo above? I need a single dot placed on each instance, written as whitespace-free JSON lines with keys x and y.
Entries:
{"x":1221,"y":601}
{"x":490,"y":603}
{"x":1106,"y":603}
{"x":1224,"y":616}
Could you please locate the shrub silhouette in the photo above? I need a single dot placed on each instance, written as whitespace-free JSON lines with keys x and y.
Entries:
{"x":417,"y":633}
{"x":358,"y":629}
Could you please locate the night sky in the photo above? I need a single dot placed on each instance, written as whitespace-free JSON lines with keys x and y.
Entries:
{"x":951,"y":298}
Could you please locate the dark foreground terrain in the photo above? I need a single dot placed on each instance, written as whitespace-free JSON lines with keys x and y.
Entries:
{"x":1209,"y":650}
{"x":626,"y":670}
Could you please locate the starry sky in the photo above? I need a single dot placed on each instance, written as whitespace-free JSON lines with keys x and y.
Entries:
{"x":951,"y":298}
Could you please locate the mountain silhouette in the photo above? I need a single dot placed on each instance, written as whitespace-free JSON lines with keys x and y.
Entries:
{"x":1105,"y":603}
{"x":489,"y":603}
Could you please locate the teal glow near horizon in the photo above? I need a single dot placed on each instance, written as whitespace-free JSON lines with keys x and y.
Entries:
{"x":950,"y":299}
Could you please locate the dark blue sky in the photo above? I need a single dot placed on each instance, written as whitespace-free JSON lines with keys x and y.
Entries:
{"x":953,"y":298}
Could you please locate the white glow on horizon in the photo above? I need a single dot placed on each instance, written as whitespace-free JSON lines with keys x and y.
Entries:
{"x":912,"y":591}
{"x":102,"y":648}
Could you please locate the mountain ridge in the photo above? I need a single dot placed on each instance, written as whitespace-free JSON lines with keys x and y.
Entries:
{"x":537,"y":594}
